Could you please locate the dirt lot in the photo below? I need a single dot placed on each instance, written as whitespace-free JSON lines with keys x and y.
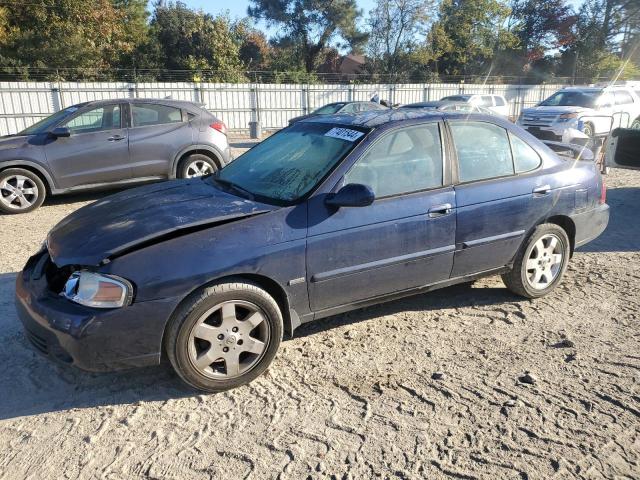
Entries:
{"x":353,"y":396}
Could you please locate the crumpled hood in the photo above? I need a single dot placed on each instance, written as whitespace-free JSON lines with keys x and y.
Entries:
{"x":126,"y":220}
{"x":541,"y":109}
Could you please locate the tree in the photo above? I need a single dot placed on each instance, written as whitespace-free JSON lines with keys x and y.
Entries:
{"x":602,"y":50}
{"x":396,"y":26}
{"x":310,"y":26}
{"x":184,"y":39}
{"x":76,"y":35}
{"x":541,"y":27}
{"x":467,"y":35}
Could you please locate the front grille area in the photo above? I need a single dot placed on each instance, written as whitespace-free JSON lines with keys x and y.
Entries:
{"x":37,"y":341}
{"x":538,"y":120}
{"x":56,"y":276}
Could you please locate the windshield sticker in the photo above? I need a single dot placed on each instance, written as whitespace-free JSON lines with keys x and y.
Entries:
{"x":71,"y":109}
{"x":344,"y":134}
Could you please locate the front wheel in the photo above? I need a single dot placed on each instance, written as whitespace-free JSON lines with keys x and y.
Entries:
{"x":224,"y":336}
{"x":21,"y":191}
{"x":540,"y":265}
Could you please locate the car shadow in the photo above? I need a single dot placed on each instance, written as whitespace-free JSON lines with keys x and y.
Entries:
{"x":34,"y":384}
{"x":623,"y":232}
{"x":456,"y":296}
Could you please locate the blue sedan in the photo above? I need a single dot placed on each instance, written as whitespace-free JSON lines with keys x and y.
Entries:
{"x":328,"y":215}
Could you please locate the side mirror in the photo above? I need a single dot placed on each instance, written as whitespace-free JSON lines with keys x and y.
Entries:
{"x":351,"y":195}
{"x":59,"y":132}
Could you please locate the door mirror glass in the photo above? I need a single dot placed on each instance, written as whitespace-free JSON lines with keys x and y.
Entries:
{"x":59,"y":132}
{"x":351,"y":195}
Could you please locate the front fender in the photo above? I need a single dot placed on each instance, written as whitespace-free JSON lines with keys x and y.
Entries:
{"x":4,"y":164}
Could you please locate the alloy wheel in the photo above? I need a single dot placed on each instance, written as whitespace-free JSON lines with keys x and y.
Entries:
{"x":18,"y":192}
{"x":545,"y":261}
{"x":198,"y":168}
{"x":229,"y":339}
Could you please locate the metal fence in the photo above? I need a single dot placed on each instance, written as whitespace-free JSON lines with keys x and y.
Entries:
{"x":24,"y":103}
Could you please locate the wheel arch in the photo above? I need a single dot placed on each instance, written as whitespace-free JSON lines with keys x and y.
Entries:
{"x":289,"y":318}
{"x":38,"y":170}
{"x":565,"y":222}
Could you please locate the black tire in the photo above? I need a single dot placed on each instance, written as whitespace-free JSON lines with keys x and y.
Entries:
{"x":197,"y":158}
{"x":188,"y":316}
{"x":34,"y":199}
{"x":517,"y":280}
{"x":589,"y":130}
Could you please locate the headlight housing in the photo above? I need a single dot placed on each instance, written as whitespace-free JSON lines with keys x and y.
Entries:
{"x":566,"y":117}
{"x":98,"y":290}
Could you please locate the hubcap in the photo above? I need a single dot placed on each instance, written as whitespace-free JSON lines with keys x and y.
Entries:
{"x":229,"y":339}
{"x":545,"y":261}
{"x":18,"y":192}
{"x":198,"y":168}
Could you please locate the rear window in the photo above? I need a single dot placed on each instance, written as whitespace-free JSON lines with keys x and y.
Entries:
{"x":457,"y":98}
{"x":152,"y":114}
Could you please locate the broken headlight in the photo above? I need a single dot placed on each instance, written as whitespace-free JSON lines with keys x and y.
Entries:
{"x":97,"y":290}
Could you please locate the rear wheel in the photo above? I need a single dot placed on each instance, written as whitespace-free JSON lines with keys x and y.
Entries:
{"x":541,"y":263}
{"x":21,"y":191}
{"x":196,"y":165}
{"x":224,"y":336}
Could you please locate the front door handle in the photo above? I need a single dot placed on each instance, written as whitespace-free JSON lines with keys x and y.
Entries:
{"x":440,"y":210}
{"x":542,"y":190}
{"x":116,"y":138}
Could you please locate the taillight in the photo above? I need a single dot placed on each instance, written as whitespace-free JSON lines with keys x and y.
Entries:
{"x":219,"y":126}
{"x":603,"y":192}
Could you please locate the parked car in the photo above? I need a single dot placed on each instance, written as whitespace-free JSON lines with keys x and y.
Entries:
{"x":341,"y":107}
{"x":108,"y":143}
{"x":582,"y":113}
{"x":331,"y":214}
{"x":496,"y":103}
{"x":449,"y":106}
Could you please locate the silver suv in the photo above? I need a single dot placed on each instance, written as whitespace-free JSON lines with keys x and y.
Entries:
{"x":575,"y":113}
{"x":109,"y":143}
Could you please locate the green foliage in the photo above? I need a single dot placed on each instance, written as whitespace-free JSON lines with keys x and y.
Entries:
{"x":308,"y":27}
{"x":467,"y":35}
{"x":75,"y":34}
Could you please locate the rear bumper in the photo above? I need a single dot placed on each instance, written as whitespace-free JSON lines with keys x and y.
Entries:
{"x":90,"y":339}
{"x":590,"y":224}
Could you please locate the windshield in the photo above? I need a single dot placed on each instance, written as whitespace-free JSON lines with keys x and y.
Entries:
{"x":44,"y":124}
{"x":572,"y":99}
{"x":289,"y":164}
{"x":329,"y":109}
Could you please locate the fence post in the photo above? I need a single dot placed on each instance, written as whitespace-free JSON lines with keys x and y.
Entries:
{"x":350,"y":92}
{"x":304,"y":98}
{"x":56,"y":97}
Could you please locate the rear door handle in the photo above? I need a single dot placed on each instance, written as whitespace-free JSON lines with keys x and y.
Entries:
{"x":542,"y":190}
{"x":440,"y":210}
{"x":116,"y":138}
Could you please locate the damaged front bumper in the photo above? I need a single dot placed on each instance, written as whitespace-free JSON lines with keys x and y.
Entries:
{"x":88,"y":338}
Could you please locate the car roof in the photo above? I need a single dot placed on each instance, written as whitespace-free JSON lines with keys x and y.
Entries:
{"x":162,"y":101}
{"x":376,"y":118}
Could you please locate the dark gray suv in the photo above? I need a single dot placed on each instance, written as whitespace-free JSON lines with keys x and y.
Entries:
{"x":109,"y":143}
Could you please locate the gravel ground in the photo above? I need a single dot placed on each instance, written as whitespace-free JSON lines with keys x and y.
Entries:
{"x":359,"y":395}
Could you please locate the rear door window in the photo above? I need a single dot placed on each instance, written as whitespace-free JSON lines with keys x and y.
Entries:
{"x":483,"y":151}
{"x":404,"y":161}
{"x":151,"y":114}
{"x":622,"y":97}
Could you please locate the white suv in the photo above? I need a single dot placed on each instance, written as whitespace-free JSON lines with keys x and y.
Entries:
{"x":582,"y":113}
{"x":496,"y":103}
